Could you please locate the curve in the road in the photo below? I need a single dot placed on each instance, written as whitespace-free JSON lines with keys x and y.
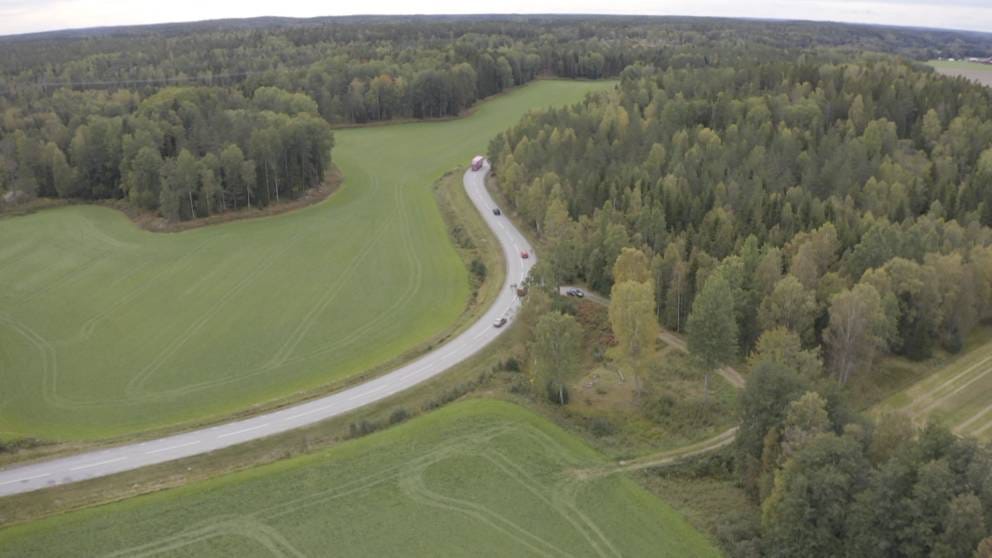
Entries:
{"x":35,"y":476}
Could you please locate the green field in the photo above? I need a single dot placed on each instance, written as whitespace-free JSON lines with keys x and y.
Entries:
{"x":957,"y":395}
{"x":107,"y":330}
{"x":981,"y":73}
{"x":478,"y":478}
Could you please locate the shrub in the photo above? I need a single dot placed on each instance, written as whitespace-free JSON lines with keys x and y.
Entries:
{"x":478,"y":269}
{"x":362,"y":428}
{"x":520,"y":387}
{"x":661,"y":409}
{"x":563,"y":305}
{"x":511,"y":364}
{"x":398,"y":416}
{"x":601,"y":427}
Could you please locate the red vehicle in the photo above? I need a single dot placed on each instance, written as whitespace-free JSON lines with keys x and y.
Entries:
{"x":477,"y":162}
{"x":524,"y":254}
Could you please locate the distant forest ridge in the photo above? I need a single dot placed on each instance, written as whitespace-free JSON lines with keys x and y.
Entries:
{"x":190,"y":119}
{"x":263,"y":22}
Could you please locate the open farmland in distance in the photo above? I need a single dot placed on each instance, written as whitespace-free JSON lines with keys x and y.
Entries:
{"x":108,"y":330}
{"x":982,"y":73}
{"x":478,"y":478}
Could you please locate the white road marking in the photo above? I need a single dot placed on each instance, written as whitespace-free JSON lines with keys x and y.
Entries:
{"x":170,"y":448}
{"x":414,"y":372}
{"x":25,"y":479}
{"x":242,"y":431}
{"x":97,"y":464}
{"x":367,"y":392}
{"x":305,"y":413}
{"x":481,"y":333}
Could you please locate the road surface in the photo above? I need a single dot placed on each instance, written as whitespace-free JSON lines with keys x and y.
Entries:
{"x":35,"y":476}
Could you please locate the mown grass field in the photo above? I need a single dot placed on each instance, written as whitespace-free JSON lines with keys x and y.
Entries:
{"x":478,"y":478}
{"x":107,"y":330}
{"x":981,"y":73}
{"x":958,"y":395}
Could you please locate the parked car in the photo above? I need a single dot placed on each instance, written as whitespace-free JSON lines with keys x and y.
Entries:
{"x":575,"y":292}
{"x":496,"y":211}
{"x":524,"y":254}
{"x":500,"y":322}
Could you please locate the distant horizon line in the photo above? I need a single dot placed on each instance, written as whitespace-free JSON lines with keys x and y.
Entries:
{"x":83,"y":30}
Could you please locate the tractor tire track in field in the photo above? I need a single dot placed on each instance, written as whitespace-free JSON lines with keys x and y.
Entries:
{"x":83,"y":228}
{"x":413,"y":284}
{"x":181,"y":264}
{"x":415,"y":487}
{"x":566,"y":507}
{"x":48,"y":356}
{"x":939,"y":394}
{"x":409,"y":476}
{"x":260,"y":520}
{"x":266,"y":536}
{"x":135,"y":387}
{"x":241,"y":375}
{"x":63,"y":280}
{"x":977,"y":428}
{"x":331,"y":294}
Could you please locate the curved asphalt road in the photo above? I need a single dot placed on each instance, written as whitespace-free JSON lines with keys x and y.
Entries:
{"x":35,"y":476}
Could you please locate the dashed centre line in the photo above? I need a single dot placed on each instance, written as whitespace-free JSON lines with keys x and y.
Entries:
{"x":310,"y":412}
{"x":25,"y":479}
{"x":97,"y":464}
{"x":170,"y":448}
{"x":242,"y":431}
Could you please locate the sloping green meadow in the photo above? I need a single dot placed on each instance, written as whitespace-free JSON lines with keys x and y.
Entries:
{"x":107,"y":330}
{"x":478,"y":478}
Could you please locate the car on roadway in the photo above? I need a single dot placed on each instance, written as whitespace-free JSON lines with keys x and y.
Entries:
{"x":500,"y":322}
{"x":496,"y":211}
{"x":524,"y":254}
{"x":575,"y":292}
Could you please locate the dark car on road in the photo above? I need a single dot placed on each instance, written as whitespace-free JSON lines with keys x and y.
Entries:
{"x":496,"y":211}
{"x":575,"y":292}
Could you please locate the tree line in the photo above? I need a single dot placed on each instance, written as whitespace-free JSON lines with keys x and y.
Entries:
{"x":185,"y":151}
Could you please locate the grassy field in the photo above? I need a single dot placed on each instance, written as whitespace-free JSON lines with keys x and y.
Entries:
{"x":479,"y":478}
{"x":957,"y":395}
{"x":981,"y":73}
{"x":107,"y":330}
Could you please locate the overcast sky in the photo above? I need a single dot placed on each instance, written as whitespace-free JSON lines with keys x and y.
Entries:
{"x":24,"y":16}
